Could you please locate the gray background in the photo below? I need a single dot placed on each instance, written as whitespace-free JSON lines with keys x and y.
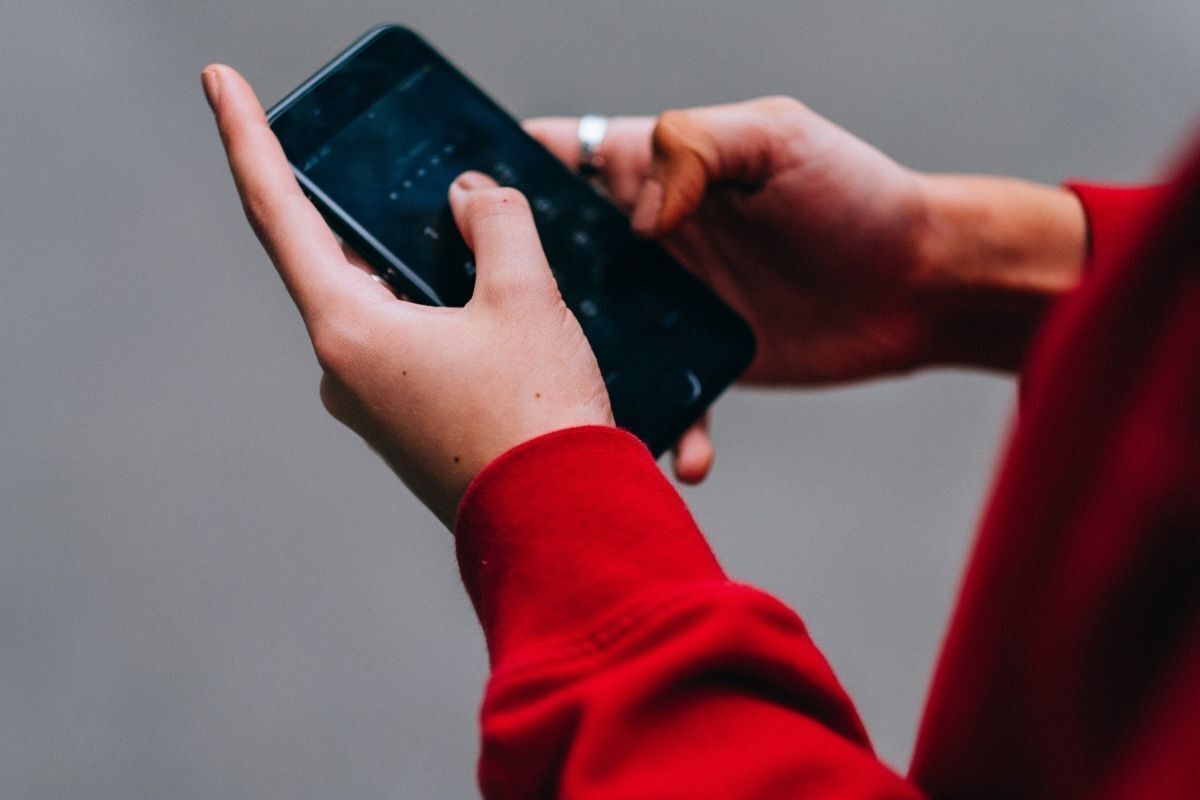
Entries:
{"x":209,"y":589}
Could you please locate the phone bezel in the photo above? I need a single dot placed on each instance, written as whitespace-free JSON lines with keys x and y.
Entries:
{"x":398,"y":274}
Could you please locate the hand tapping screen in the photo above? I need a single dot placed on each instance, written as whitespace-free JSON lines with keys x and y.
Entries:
{"x":391,"y":166}
{"x":379,"y":135}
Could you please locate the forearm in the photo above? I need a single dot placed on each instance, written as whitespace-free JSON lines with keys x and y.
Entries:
{"x":995,"y":254}
{"x":624,"y":663}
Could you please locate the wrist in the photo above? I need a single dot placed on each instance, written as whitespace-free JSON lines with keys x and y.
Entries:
{"x":562,"y":529}
{"x":994,"y":255}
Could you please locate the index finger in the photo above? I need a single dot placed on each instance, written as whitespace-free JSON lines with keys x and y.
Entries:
{"x":559,"y":135}
{"x":625,"y":151}
{"x":300,"y":244}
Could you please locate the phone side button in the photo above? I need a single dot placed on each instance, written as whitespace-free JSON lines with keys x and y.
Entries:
{"x":679,"y":386}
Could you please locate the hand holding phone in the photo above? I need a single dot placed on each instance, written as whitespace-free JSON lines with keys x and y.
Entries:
{"x":438,"y":392}
{"x":375,"y":138}
{"x":811,"y":234}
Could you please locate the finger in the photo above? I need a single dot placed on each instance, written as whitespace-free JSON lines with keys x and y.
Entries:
{"x":304,"y":250}
{"x":697,"y":147}
{"x":380,"y":286}
{"x":694,"y":453}
{"x":497,"y":225}
{"x":624,"y":152}
{"x":360,"y":263}
{"x":559,"y":135}
{"x":357,"y":261}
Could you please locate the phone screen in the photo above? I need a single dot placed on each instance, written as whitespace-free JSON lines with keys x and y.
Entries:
{"x":391,"y":166}
{"x":376,"y":139}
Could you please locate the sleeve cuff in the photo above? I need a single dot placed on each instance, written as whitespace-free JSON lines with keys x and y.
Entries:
{"x":1115,"y":215}
{"x":558,"y":531}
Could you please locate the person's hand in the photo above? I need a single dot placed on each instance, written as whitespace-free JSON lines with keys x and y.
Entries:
{"x":438,"y":392}
{"x":846,"y":264}
{"x":809,"y":233}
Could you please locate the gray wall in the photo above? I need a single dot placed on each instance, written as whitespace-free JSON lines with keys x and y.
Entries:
{"x":208,"y":589}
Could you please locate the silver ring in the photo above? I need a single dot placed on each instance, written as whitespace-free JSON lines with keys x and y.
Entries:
{"x":592,"y":128}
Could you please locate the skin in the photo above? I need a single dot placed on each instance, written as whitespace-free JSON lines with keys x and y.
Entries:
{"x":437,"y":392}
{"x":846,"y":264}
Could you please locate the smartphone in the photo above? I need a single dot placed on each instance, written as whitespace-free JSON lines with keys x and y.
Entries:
{"x":376,"y":137}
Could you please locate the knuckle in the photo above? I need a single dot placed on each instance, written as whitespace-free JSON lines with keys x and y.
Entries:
{"x":670,"y":127}
{"x":777,"y":104}
{"x":681,"y":137}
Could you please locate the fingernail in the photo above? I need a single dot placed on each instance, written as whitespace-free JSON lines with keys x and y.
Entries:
{"x":647,"y":208}
{"x":470,"y":181}
{"x":212,"y":87}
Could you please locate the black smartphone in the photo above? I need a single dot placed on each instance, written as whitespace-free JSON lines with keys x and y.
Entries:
{"x":375,"y":139}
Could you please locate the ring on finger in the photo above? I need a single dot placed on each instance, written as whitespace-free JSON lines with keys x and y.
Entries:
{"x":592,"y":129}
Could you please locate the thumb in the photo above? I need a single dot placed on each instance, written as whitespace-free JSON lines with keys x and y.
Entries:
{"x":498,"y":226}
{"x":696,"y":148}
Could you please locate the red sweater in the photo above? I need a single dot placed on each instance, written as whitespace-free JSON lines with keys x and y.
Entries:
{"x":625,"y":664}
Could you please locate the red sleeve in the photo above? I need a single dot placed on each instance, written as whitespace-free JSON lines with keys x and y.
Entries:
{"x":1072,"y":665}
{"x":1115,"y":215}
{"x":624,"y":662}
